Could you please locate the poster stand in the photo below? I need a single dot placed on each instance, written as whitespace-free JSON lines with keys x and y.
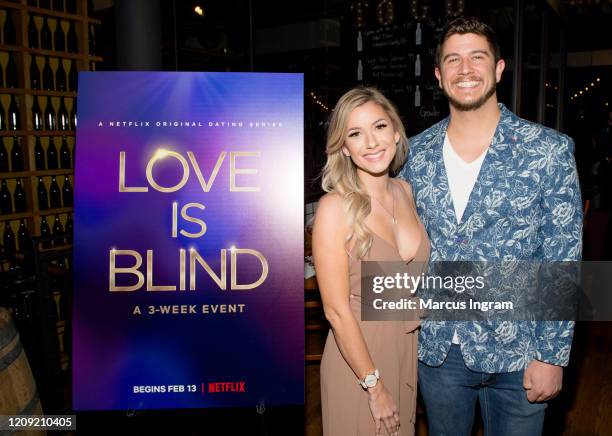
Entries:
{"x":261,"y":412}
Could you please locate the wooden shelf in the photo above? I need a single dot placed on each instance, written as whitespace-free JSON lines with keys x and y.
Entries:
{"x":57,"y":211}
{"x":43,"y":92}
{"x":38,"y":92}
{"x":48,"y":12}
{"x":15,"y":216}
{"x":37,"y":133}
{"x":15,"y":175}
{"x":11,"y":5}
{"x":313,"y":357}
{"x":62,"y":247}
{"x":49,"y":173}
{"x":65,"y":15}
{"x":51,"y":53}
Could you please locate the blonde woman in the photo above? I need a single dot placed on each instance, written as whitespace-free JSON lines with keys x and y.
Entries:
{"x":368,"y":370}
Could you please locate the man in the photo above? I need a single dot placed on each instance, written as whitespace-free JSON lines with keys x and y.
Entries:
{"x":491,"y":186}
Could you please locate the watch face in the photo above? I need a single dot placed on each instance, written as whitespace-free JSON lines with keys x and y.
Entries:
{"x":371,"y":380}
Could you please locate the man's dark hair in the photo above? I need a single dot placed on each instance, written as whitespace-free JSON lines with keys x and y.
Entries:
{"x":463,"y":25}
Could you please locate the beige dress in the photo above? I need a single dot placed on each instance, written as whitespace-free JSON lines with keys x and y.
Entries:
{"x":393,"y":348}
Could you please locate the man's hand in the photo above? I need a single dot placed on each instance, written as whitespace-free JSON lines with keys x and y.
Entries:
{"x":542,"y":381}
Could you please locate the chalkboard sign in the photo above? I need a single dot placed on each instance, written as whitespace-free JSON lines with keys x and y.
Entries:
{"x":399,"y":59}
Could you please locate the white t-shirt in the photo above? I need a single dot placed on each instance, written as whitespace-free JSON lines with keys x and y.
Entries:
{"x":461,"y":180}
{"x":461,"y":176}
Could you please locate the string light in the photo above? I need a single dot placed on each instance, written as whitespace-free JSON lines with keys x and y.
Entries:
{"x":318,"y":101}
{"x":385,"y":12}
{"x":414,"y":8}
{"x":588,"y":87}
{"x":359,"y":8}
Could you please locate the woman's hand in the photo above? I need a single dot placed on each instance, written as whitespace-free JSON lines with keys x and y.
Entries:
{"x":384,"y":410}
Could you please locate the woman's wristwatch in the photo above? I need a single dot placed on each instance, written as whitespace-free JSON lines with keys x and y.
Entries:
{"x":370,"y":380}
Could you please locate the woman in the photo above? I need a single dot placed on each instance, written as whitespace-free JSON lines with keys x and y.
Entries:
{"x":368,"y":370}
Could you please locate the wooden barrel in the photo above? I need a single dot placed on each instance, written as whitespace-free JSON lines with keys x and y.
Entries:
{"x":18,"y":395}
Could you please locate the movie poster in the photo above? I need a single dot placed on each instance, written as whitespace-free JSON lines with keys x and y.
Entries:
{"x":188,"y":246}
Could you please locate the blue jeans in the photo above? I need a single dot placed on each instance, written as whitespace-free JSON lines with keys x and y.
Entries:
{"x":450,"y":392}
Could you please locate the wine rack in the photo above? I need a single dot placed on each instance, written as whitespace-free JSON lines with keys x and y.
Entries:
{"x":43,"y":45}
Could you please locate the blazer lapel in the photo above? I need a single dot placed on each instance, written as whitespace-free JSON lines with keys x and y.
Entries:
{"x":441,"y":199}
{"x":492,"y":174}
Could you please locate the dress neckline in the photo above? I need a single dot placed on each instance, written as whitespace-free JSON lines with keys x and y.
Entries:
{"x":396,"y":249}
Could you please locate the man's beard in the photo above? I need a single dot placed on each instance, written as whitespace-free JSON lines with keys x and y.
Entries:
{"x":473,"y":105}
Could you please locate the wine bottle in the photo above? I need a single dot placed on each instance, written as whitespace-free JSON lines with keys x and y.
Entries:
{"x":73,"y":76}
{"x":69,"y":229}
{"x":92,"y":41}
{"x":33,"y":38}
{"x":73,"y":115}
{"x":12,"y":78}
{"x":59,"y":38}
{"x":73,"y":120}
{"x":23,"y":238}
{"x":63,"y":122}
{"x":47,"y":76}
{"x":46,"y":39}
{"x":71,"y":6}
{"x":58,"y":5}
{"x":39,"y":155}
{"x":45,"y":4}
{"x":9,"y":34}
{"x":64,"y":154}
{"x":72,"y":43}
{"x":60,"y":76}
{"x":58,"y":232}
{"x":34,"y":73}
{"x":43,"y":199}
{"x":17,"y":160}
{"x":45,"y":232}
{"x":51,"y":155}
{"x":37,"y":116}
{"x":20,"y":198}
{"x":8,"y":239}
{"x":50,"y":117}
{"x":6,"y":201}
{"x":14,"y":118}
{"x":4,"y":158}
{"x":3,"y":123}
{"x":67,"y":192}
{"x":55,"y":195}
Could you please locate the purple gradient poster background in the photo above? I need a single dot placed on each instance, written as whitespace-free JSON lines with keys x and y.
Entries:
{"x":135,"y":349}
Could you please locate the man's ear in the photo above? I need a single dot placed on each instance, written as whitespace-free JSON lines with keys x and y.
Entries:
{"x":499,"y":69}
{"x":438,"y":75}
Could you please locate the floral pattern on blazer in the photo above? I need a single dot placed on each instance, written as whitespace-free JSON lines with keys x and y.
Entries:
{"x":525,"y":205}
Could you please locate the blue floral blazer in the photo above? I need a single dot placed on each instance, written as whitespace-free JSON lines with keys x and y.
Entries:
{"x":525,"y":205}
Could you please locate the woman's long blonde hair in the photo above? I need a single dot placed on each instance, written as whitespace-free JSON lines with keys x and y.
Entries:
{"x":340,"y":174}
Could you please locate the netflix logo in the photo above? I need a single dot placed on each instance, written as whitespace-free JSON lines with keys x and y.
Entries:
{"x":220,"y":387}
